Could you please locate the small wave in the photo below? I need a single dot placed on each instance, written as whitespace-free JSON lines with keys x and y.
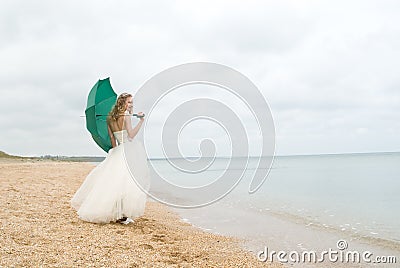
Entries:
{"x":351,"y":231}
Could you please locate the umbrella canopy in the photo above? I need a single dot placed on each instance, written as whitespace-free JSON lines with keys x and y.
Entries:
{"x":99,"y":103}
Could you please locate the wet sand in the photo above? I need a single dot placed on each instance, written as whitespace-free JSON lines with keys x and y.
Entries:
{"x":38,"y":227}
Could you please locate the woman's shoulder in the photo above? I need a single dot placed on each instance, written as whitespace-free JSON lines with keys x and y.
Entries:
{"x":109,"y":119}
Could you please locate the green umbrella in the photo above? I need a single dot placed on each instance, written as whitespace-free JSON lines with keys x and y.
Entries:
{"x":99,"y":103}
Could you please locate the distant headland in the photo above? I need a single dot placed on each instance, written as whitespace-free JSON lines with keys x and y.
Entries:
{"x":4,"y":155}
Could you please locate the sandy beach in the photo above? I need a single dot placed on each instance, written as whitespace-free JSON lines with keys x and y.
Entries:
{"x":40,"y":229}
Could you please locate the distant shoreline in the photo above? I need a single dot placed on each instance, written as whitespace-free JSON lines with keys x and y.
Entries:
{"x":101,"y":158}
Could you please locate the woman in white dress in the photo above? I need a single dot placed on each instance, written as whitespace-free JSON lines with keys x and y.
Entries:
{"x":115,"y":190}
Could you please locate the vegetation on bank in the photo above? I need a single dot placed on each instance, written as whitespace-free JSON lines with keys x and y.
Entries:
{"x":54,"y":157}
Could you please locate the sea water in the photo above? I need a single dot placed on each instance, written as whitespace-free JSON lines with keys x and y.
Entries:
{"x":306,"y":202}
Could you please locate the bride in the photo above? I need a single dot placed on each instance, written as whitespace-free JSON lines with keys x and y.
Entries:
{"x":111,"y":192}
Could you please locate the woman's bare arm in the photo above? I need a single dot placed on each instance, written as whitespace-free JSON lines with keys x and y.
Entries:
{"x":132,"y":131}
{"x":112,"y":138}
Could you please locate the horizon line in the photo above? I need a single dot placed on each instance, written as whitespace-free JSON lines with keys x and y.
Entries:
{"x":250,"y":156}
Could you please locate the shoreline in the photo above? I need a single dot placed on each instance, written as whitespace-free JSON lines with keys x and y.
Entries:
{"x":39,"y":227}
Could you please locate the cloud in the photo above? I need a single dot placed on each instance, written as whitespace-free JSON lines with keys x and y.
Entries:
{"x":328,"y":69}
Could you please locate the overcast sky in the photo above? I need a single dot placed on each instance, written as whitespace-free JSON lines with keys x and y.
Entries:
{"x":328,"y":69}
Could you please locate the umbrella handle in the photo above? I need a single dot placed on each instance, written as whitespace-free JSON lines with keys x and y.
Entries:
{"x":138,"y":116}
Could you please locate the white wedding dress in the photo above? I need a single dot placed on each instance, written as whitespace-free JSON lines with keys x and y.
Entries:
{"x":116,"y":187}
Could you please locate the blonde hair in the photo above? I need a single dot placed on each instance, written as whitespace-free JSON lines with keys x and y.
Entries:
{"x":119,"y":107}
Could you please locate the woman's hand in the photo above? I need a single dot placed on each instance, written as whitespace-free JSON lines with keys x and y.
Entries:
{"x":141,"y":114}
